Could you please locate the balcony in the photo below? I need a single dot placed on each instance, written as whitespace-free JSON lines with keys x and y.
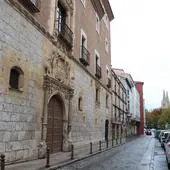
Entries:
{"x":85,"y":55}
{"x":31,"y":5}
{"x":64,"y":33}
{"x":109,"y":83}
{"x":98,"y":71}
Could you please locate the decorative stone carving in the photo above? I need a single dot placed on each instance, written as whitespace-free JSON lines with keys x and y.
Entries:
{"x":42,"y":150}
{"x":58,"y":67}
{"x":51,"y":85}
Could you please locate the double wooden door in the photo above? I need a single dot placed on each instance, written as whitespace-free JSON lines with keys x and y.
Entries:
{"x":55,"y":125}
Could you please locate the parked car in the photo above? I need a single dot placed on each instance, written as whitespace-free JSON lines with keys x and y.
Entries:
{"x":148,"y":132}
{"x":164,"y":138}
{"x":161,"y":134}
{"x":167,"y":150}
{"x":157,"y":133}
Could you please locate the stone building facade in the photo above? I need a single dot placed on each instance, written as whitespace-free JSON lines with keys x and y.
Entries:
{"x":139,"y":87}
{"x":55,"y":70}
{"x":119,"y":109}
{"x":133,"y":102}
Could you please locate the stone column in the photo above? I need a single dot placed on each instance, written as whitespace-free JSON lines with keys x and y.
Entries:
{"x":42,"y":146}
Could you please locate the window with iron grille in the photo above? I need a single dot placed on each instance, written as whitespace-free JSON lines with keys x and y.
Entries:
{"x":84,"y":53}
{"x":98,"y":71}
{"x":61,"y":29}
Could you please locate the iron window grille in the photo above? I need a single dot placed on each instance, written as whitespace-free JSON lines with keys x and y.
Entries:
{"x":98,"y":71}
{"x":85,"y":55}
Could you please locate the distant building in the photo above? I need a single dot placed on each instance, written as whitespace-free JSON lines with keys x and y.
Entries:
{"x":165,"y":100}
{"x":139,"y":87}
{"x":133,"y":102}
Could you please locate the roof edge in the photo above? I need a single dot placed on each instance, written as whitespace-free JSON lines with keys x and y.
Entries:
{"x":108,"y":8}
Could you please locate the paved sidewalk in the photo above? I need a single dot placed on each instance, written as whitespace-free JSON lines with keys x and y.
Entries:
{"x":62,"y":158}
{"x":159,"y":157}
{"x":39,"y":164}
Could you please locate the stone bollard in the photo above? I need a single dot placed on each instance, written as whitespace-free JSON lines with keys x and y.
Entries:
{"x":107,"y":143}
{"x":100,"y":145}
{"x":2,"y":162}
{"x":48,"y":158}
{"x":91,"y":148}
{"x":72,"y":151}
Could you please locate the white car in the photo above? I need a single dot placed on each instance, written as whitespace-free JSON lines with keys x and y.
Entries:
{"x":164,"y":138}
{"x":167,"y":150}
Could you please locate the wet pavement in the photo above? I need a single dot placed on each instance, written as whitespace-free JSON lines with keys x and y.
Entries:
{"x":143,"y":153}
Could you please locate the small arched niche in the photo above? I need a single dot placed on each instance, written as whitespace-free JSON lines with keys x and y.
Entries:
{"x":16,"y":79}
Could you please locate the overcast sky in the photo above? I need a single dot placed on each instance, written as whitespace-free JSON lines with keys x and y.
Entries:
{"x":141,"y":44}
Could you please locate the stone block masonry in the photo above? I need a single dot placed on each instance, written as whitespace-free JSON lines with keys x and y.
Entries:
{"x":88,"y":124}
{"x":20,"y":111}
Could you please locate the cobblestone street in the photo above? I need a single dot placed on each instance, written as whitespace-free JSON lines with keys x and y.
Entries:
{"x":143,"y":153}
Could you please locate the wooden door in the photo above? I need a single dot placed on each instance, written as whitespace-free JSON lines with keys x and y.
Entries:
{"x":55,"y":125}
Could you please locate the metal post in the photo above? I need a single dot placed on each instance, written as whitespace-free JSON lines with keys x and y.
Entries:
{"x":107,"y":143}
{"x":72,"y":151}
{"x":112,"y":141}
{"x":2,"y":162}
{"x":100,"y":145}
{"x":91,"y":148}
{"x":48,"y":158}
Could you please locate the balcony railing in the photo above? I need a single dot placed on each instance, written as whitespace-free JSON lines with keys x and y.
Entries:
{"x":64,"y":33}
{"x":32,"y":5}
{"x":85,"y":55}
{"x":109,"y":83}
{"x":98,"y":71}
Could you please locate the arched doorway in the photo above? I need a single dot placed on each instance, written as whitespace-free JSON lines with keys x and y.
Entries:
{"x":55,"y":125}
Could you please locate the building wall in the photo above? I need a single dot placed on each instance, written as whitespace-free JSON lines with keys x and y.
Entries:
{"x":119,"y":105}
{"x":133,"y":102}
{"x":20,"y":121}
{"x":139,"y":86}
{"x":85,"y":19}
{"x":89,"y":124}
{"x":25,"y":44}
{"x":30,"y":47}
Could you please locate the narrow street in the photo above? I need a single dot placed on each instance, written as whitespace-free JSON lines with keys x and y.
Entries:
{"x":143,"y":153}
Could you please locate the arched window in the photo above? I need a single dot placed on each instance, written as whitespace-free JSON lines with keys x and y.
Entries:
{"x":16,"y":78}
{"x":80,"y":104}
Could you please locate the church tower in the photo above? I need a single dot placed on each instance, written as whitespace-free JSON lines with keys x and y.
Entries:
{"x":165,"y":100}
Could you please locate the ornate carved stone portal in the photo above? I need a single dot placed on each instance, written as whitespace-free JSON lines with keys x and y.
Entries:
{"x":56,"y":82}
